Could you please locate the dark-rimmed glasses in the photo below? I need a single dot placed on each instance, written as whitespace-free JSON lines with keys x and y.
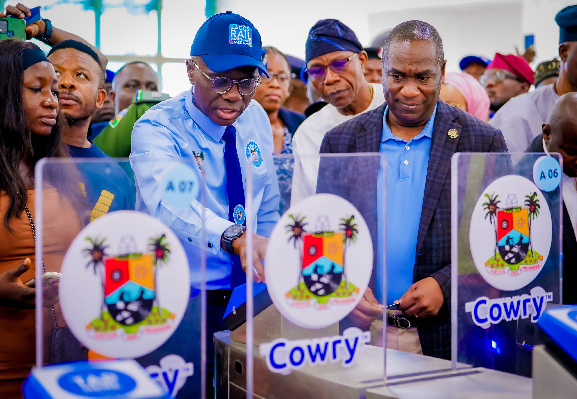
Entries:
{"x":282,"y":78}
{"x":497,"y":76}
{"x":337,"y":66}
{"x":222,"y":84}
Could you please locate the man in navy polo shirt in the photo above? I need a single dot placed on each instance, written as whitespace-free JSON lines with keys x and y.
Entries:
{"x":80,"y":80}
{"x":216,"y":127}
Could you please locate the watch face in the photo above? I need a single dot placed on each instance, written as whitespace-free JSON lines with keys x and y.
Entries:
{"x":234,"y":231}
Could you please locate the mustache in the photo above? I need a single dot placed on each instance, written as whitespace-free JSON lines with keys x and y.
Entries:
{"x":70,"y":95}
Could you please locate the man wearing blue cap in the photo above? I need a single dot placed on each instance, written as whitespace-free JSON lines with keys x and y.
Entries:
{"x":522,"y":117}
{"x":216,"y":127}
{"x":336,"y":65}
{"x":104,"y":114}
{"x":474,"y":65}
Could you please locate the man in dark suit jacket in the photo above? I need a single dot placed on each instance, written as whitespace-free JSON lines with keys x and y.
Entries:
{"x":560,"y":135}
{"x":413,"y":70}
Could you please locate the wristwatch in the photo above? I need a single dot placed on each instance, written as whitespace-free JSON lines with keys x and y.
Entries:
{"x":231,"y":234}
{"x":45,"y":38}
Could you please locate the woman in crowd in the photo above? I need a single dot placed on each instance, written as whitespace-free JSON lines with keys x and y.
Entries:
{"x":28,"y":132}
{"x":271,"y":94}
{"x":463,"y":91}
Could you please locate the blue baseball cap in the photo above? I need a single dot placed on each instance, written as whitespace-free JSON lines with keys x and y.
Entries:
{"x":227,"y":41}
{"x":470,"y":59}
{"x":109,"y":76}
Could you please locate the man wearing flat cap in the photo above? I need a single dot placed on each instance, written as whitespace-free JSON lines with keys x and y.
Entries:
{"x":373,"y":67}
{"x":521,"y":119}
{"x":335,"y":62}
{"x":507,"y":76}
{"x":214,"y":127}
{"x":547,"y":72}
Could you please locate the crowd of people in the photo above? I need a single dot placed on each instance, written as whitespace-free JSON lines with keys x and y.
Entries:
{"x":395,"y":100}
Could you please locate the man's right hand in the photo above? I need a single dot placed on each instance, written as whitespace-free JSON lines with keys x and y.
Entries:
{"x":259,"y":250}
{"x":367,"y":311}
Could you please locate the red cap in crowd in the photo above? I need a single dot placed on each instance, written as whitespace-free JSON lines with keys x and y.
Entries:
{"x":515,"y":64}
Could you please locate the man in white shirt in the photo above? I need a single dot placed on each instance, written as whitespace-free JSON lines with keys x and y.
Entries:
{"x":521,"y":118}
{"x":560,"y":135}
{"x":335,"y":64}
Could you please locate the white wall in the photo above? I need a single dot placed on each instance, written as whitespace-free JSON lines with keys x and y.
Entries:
{"x":466,"y":26}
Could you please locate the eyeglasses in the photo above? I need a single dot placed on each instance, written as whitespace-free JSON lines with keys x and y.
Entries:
{"x":497,"y":77}
{"x":337,"y":66}
{"x":222,"y":84}
{"x":282,"y":78}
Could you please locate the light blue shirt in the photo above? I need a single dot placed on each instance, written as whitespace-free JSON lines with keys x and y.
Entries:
{"x":176,"y":130}
{"x":406,"y":177}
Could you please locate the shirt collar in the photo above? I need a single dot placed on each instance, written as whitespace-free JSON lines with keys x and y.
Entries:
{"x":426,"y":132}
{"x":204,"y":123}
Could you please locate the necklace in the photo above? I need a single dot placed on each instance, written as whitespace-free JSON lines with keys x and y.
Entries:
{"x":31,"y":220}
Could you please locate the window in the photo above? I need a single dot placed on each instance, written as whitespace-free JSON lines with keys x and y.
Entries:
{"x":125,"y":33}
{"x":180,"y":21}
{"x":128,"y":30}
{"x":174,"y":78}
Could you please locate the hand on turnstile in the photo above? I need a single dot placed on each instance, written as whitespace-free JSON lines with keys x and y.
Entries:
{"x":259,"y":251}
{"x":367,"y":311}
{"x":422,"y":299}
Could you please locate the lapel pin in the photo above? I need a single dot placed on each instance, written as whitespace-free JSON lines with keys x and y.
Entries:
{"x":453,"y":133}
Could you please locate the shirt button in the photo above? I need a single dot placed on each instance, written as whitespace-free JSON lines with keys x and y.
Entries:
{"x":210,"y":244}
{"x":189,"y":239}
{"x":408,"y":148}
{"x":406,"y":162}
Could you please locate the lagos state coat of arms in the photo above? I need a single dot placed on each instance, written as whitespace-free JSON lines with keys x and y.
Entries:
{"x":322,"y":279}
{"x":319,"y":261}
{"x":125,"y":284}
{"x":513,"y":250}
{"x":510,"y":232}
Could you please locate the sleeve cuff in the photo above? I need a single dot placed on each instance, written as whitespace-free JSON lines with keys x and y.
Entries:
{"x":215,"y":227}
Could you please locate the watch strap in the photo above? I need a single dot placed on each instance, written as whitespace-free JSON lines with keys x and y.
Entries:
{"x":45,"y":38}
{"x":228,"y":246}
{"x":229,"y":240}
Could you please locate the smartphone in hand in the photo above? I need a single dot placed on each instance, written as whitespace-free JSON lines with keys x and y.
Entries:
{"x":529,"y":41}
{"x":12,"y":28}
{"x":48,"y":278}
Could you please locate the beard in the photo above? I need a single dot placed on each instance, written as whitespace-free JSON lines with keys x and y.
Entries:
{"x":71,"y":119}
{"x":495,"y":106}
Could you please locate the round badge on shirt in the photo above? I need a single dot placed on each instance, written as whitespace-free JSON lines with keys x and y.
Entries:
{"x":239,"y":214}
{"x":253,"y":151}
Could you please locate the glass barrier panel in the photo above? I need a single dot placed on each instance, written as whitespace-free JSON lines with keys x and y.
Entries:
{"x":121,"y":252}
{"x":318,"y":321}
{"x":506,"y":255}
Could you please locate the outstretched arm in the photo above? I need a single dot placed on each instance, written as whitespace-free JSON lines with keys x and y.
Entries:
{"x":36,"y":30}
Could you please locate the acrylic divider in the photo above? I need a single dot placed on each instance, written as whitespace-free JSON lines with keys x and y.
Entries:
{"x":506,"y":256}
{"x":331,"y":224}
{"x":145,"y":217}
